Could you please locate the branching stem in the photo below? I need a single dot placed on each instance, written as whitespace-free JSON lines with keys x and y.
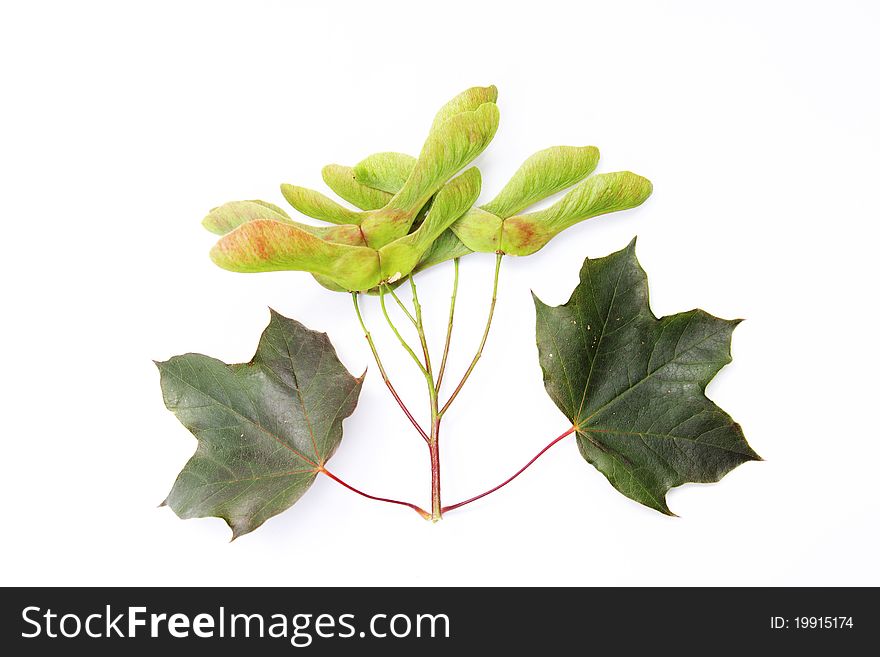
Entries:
{"x":442,"y":370}
{"x":354,"y":297}
{"x":479,"y":353}
{"x":402,"y":306}
{"x":433,"y":437}
{"x":420,"y":328}
{"x":403,"y":342}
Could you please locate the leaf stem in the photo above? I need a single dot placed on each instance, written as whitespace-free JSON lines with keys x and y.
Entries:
{"x":434,"y":450}
{"x":434,"y":438}
{"x":402,"y":306}
{"x":397,"y":333}
{"x":354,"y":297}
{"x":515,"y":475}
{"x":420,"y":329}
{"x":417,"y":509}
{"x":479,"y":353}
{"x":442,"y":370}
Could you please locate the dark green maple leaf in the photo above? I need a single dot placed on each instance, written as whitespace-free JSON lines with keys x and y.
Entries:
{"x":634,"y":386}
{"x":265,"y":428}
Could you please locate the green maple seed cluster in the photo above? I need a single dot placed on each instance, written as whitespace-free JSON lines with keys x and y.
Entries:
{"x":414,"y":213}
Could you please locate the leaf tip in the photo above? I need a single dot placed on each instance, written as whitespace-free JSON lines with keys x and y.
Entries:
{"x":238,"y":528}
{"x":751,"y":454}
{"x":536,"y":300}
{"x":161,"y":364}
{"x":662,"y":506}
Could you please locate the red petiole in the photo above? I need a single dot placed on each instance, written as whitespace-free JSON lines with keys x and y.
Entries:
{"x":514,"y":476}
{"x":414,"y":507}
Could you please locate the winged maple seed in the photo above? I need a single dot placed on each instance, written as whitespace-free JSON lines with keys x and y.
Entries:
{"x":412,"y":213}
{"x":632,"y":386}
{"x":369,"y":246}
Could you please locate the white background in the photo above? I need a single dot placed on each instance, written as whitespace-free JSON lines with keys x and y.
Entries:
{"x":124,"y":122}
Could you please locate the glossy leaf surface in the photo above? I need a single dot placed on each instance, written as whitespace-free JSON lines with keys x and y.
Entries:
{"x":265,"y":428}
{"x":634,"y":385}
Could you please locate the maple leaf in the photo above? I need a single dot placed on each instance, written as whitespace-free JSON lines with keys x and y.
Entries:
{"x":634,"y":386}
{"x":265,"y":428}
